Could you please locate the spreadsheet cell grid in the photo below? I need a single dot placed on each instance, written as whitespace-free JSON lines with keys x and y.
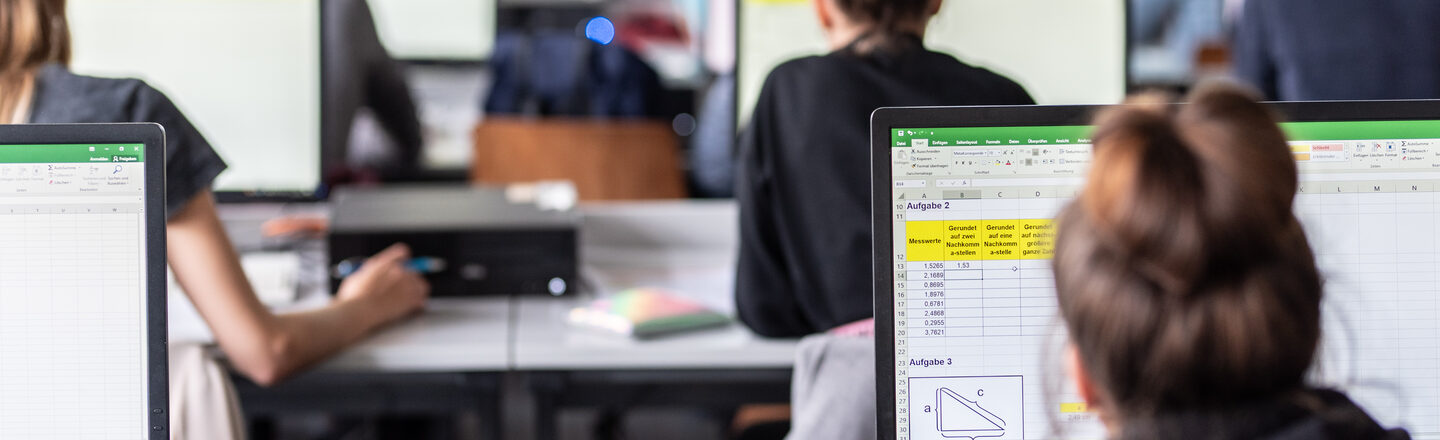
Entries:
{"x":71,"y":310}
{"x":977,"y":288}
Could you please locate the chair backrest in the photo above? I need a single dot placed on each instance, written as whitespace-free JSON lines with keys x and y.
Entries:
{"x":605,"y":159}
{"x":830,"y":389}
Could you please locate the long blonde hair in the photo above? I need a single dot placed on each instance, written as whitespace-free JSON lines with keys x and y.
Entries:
{"x":32,"y":33}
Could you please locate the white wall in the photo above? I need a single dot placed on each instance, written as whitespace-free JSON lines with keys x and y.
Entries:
{"x":1062,"y":51}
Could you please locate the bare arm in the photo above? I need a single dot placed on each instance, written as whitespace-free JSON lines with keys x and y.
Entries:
{"x":268,"y":347}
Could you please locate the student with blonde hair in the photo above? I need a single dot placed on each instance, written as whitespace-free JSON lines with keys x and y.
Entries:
{"x":37,"y":87}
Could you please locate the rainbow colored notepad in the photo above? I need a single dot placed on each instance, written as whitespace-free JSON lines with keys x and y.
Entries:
{"x":645,"y":313}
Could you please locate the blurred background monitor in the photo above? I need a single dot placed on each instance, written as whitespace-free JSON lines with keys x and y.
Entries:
{"x":612,"y":69}
{"x":1175,"y":43}
{"x":245,"y":72}
{"x":436,"y":30}
{"x":1061,"y":51}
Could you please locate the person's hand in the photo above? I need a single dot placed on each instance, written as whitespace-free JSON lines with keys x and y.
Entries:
{"x":385,"y":286}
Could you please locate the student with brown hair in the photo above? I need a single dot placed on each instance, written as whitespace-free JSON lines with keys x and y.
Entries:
{"x":804,"y":161}
{"x":1186,"y":283}
{"x":37,"y":87}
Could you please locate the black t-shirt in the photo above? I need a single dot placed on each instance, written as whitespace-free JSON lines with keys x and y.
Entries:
{"x":804,"y":178}
{"x":62,"y":97}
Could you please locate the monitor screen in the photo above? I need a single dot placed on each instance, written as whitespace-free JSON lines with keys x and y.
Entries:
{"x":440,"y":30}
{"x":1169,"y":40}
{"x":1061,"y":51}
{"x":245,"y":72}
{"x":72,"y":291}
{"x":976,"y":330}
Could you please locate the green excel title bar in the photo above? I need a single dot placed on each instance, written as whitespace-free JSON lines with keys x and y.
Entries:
{"x":1361,"y":130}
{"x":994,"y":136}
{"x":72,"y":153}
{"x":1080,"y":134}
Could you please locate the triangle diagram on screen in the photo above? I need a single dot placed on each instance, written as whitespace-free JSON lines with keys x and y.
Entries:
{"x":959,"y":417}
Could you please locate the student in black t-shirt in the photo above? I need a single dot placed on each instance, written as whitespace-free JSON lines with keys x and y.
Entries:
{"x":37,"y":87}
{"x":804,"y":164}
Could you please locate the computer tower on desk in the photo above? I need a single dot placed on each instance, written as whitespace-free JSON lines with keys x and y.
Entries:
{"x":486,"y":243}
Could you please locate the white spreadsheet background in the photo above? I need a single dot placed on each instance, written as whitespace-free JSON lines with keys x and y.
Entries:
{"x":1378,"y":252}
{"x":72,"y":299}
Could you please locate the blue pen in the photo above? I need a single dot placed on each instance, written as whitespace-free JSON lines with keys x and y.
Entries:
{"x":424,"y":265}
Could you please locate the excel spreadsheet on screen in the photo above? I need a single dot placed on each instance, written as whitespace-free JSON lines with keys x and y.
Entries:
{"x":72,"y":291}
{"x":976,"y":327}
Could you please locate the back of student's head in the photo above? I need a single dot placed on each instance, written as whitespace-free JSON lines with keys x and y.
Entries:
{"x":887,"y":16}
{"x":1184,"y":278}
{"x":32,"y":33}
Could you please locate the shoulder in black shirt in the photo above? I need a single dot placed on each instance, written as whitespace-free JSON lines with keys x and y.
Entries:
{"x":804,"y":179}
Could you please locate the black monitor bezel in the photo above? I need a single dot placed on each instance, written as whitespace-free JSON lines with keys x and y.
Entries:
{"x":152,"y":136}
{"x":884,"y":120}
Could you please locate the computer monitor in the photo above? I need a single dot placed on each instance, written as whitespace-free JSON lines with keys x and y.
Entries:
{"x":1061,"y":51}
{"x":245,"y":72}
{"x":968,"y":334}
{"x":82,"y":282}
{"x":436,"y":30}
{"x":1169,"y":39}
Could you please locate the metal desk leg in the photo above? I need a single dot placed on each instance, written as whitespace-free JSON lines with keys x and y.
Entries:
{"x":546,"y":389}
{"x":491,"y":418}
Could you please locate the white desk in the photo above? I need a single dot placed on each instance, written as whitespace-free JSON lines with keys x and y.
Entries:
{"x":453,"y":335}
{"x":445,"y":360}
{"x":685,"y":247}
{"x":543,"y":341}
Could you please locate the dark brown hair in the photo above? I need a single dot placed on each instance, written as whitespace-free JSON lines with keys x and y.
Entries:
{"x":1184,"y":278}
{"x":889,"y":17}
{"x":32,"y":34}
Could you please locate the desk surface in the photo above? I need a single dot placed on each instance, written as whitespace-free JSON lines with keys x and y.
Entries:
{"x":544,"y":342}
{"x":453,"y":335}
{"x":687,"y":247}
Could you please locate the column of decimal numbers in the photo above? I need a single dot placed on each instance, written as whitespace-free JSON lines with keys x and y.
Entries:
{"x":924,"y":277}
{"x":926,"y":298}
